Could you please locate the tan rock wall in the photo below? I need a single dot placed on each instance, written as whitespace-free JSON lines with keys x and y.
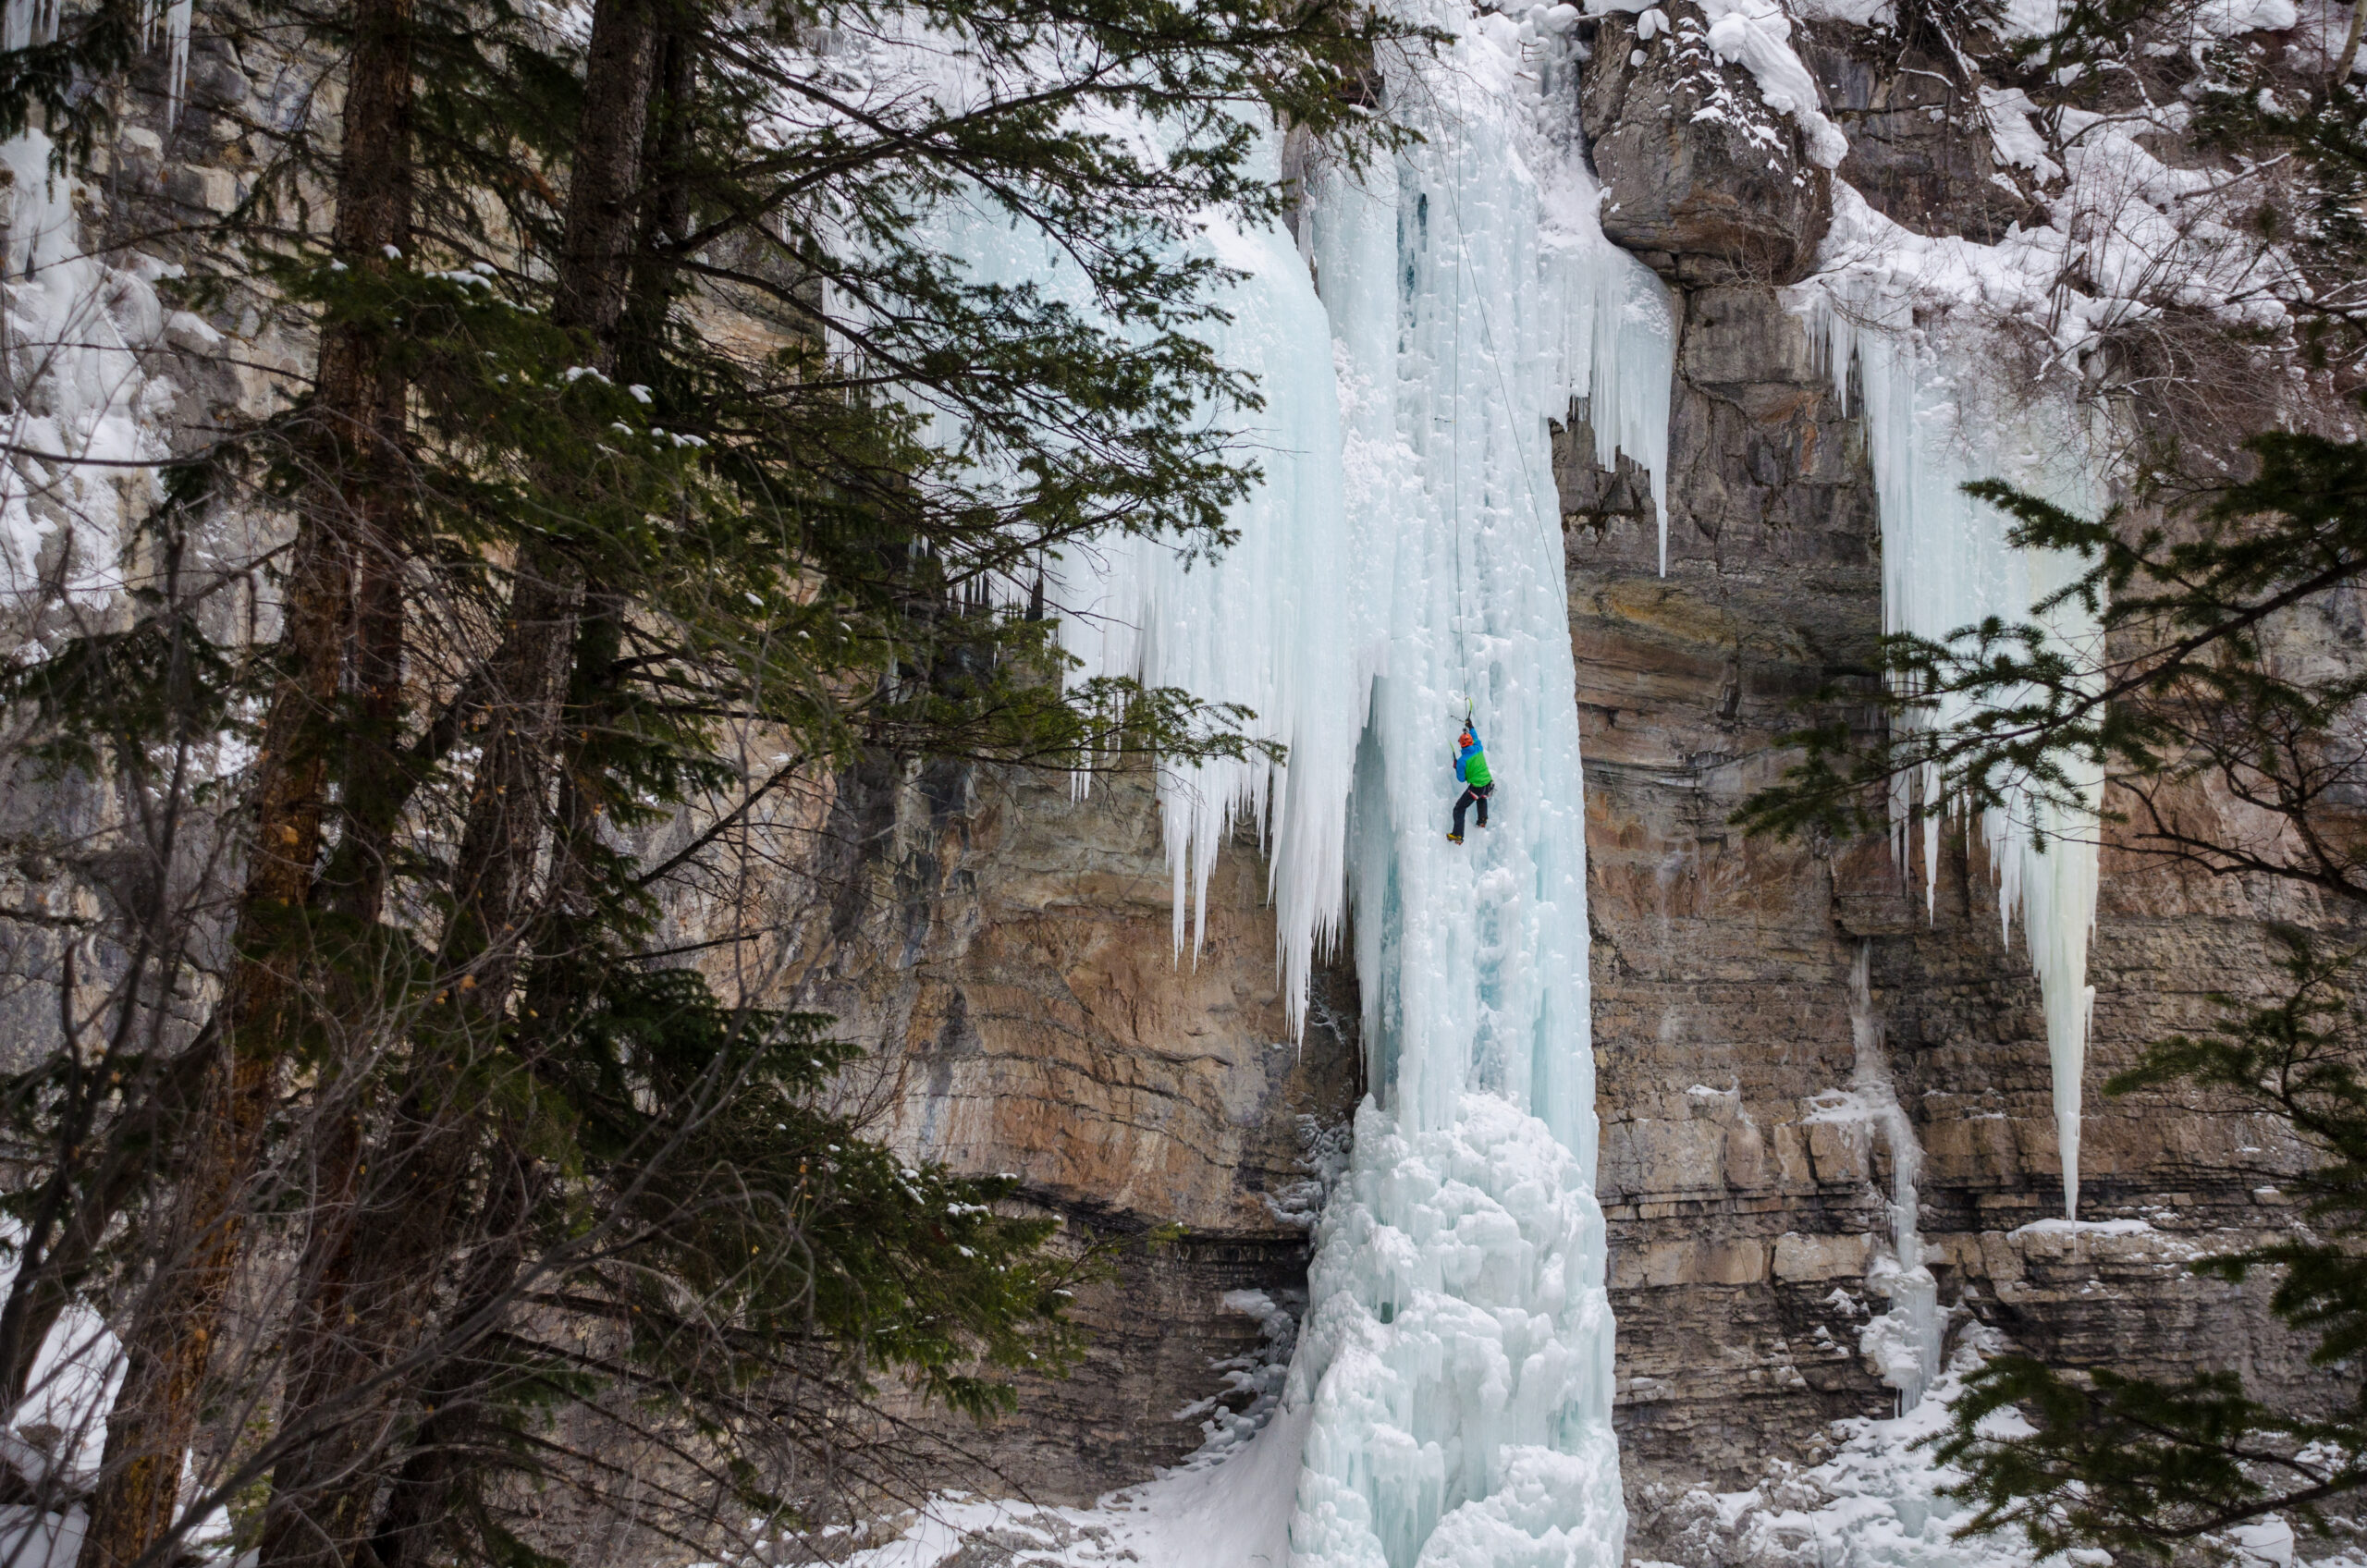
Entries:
{"x":1008,"y":953}
{"x":1742,"y":1225}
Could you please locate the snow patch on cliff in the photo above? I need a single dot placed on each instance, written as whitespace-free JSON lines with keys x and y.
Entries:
{"x":79,"y":437}
{"x":1757,"y":35}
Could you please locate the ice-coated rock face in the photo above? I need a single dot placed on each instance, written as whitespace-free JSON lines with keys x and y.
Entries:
{"x":1743,"y":1222}
{"x":1449,"y":1414}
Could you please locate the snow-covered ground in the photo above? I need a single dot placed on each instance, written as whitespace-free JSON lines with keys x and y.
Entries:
{"x":1877,"y":1503}
{"x":1234,"y":1513}
{"x":72,"y":1388}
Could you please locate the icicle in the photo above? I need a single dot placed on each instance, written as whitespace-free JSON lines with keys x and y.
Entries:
{"x":1264,"y":626}
{"x":1620,"y":348}
{"x":175,"y":17}
{"x":1947,"y":565}
{"x":27,"y":22}
{"x":178,"y":14}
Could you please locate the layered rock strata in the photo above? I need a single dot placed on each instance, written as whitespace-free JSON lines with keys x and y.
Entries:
{"x":1745,"y":1195}
{"x":1747,"y":1205}
{"x":1006,"y":951}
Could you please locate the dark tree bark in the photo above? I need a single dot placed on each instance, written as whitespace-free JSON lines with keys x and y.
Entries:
{"x":358,"y":410}
{"x":410,"y":1218}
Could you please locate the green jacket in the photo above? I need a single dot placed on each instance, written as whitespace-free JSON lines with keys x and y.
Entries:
{"x":1471,"y":765}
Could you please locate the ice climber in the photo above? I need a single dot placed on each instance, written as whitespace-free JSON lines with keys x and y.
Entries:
{"x":1471,"y":766}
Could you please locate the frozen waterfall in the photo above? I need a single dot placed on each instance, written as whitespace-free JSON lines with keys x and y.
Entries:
{"x":1401,"y":566}
{"x":1457,"y":1351}
{"x":1935,"y":419}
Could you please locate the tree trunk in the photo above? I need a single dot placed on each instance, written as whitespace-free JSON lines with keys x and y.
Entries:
{"x":367,"y":1297}
{"x":604,"y":189}
{"x":359,"y":408}
{"x":422,"y":1501}
{"x":373,"y":1304}
{"x":502,"y":845}
{"x":330,"y":1278}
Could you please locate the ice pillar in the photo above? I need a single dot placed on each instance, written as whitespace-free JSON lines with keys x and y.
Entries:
{"x":1458,"y":1349}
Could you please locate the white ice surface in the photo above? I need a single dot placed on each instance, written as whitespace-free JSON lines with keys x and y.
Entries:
{"x":1875,"y":1503}
{"x":70,"y":1391}
{"x":72,"y":478}
{"x":1757,"y":35}
{"x":1457,"y":1350}
{"x":1938,"y":414}
{"x":1863,"y":13}
{"x":80,"y":331}
{"x":2083,"y":1228}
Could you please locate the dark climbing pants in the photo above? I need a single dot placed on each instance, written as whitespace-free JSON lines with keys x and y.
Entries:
{"x":1463,"y":803}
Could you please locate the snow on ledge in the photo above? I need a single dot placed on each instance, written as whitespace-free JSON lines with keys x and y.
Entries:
{"x":2083,"y":1228}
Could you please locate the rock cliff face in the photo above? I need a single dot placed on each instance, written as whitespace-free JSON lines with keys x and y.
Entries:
{"x":1743,"y":1212}
{"x":1016,"y":959}
{"x":1007,"y":950}
{"x":1010,"y":951}
{"x":1703,"y":180}
{"x":1742,"y":1216}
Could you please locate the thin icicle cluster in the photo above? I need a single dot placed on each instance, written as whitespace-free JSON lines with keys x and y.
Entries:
{"x":27,"y":22}
{"x":172,"y":20}
{"x":1933,"y":421}
{"x":1267,"y":626}
{"x":1616,"y":339}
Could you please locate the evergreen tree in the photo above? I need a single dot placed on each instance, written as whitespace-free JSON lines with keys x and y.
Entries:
{"x":653,"y":427}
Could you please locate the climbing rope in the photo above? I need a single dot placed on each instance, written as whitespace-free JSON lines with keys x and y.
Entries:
{"x":1455,"y":433}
